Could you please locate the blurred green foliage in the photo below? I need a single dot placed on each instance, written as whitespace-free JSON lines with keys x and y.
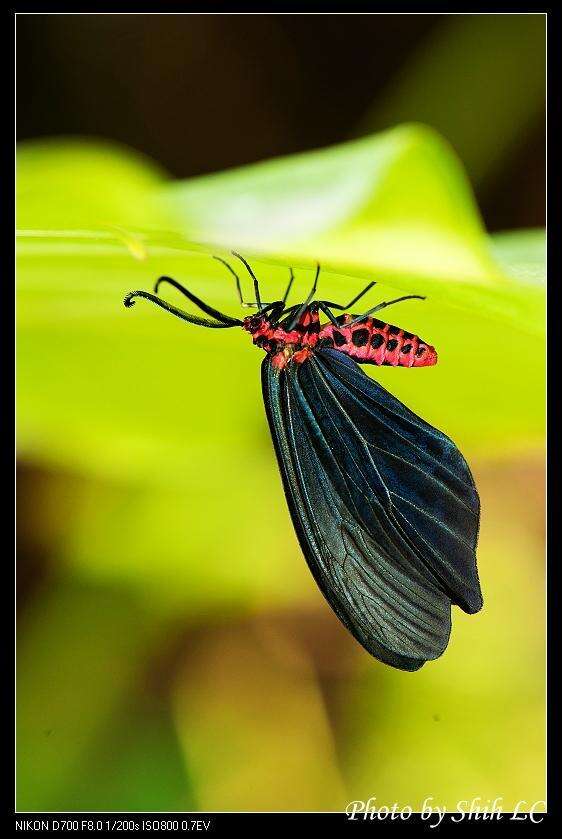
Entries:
{"x":479,"y":80}
{"x":147,"y":676}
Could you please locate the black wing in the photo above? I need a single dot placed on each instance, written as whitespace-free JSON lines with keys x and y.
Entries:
{"x":384,"y":506}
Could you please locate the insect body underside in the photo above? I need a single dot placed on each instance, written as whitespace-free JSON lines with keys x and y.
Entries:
{"x":367,"y":340}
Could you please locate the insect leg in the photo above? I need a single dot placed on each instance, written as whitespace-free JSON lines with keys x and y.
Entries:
{"x":285,"y":313}
{"x":324,"y":308}
{"x":236,"y":277}
{"x":307,"y":301}
{"x":179,"y":313}
{"x":384,"y":305}
{"x":214,"y":313}
{"x":351,"y":302}
{"x":276,"y":310}
{"x":253,"y":276}
{"x":284,"y":299}
{"x":287,"y":290}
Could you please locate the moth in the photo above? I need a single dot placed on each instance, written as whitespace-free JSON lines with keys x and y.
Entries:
{"x":384,"y":505}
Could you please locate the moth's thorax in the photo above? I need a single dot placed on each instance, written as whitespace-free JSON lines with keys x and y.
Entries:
{"x":369,"y":340}
{"x":285,"y":345}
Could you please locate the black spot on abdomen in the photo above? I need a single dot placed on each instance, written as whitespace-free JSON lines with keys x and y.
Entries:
{"x":339,"y":339}
{"x":377,"y":341}
{"x":360,"y":337}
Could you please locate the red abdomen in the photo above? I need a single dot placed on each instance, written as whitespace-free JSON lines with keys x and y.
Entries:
{"x":373,"y":342}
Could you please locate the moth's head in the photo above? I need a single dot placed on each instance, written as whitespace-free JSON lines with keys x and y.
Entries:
{"x":255,"y":323}
{"x":266,"y":319}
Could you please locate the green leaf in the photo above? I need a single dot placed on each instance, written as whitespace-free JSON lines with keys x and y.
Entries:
{"x":98,"y":385}
{"x":65,"y":185}
{"x":396,"y":204}
{"x":522,"y":254}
